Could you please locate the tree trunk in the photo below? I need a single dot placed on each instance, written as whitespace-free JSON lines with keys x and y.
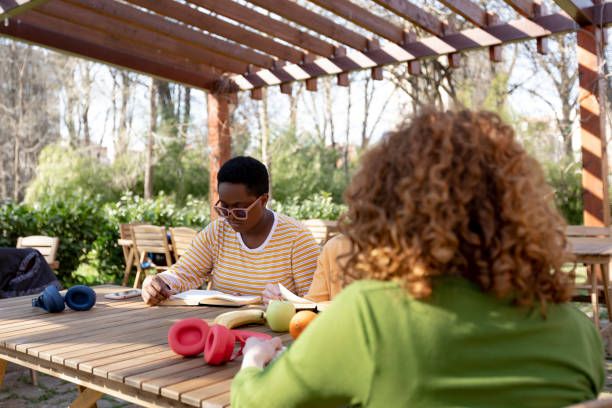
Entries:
{"x":265,"y":135}
{"x":345,"y":153}
{"x":148,"y":179}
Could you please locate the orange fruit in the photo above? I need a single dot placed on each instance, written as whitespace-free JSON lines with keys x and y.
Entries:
{"x":299,"y":322}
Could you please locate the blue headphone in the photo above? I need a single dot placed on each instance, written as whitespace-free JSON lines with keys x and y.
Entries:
{"x":79,"y":298}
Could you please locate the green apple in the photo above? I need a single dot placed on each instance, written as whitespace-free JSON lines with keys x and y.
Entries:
{"x":279,"y":314}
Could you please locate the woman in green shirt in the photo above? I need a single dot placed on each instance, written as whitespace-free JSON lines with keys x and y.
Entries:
{"x":461,"y":301}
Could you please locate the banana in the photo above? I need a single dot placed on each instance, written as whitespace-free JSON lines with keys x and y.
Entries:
{"x":240,"y":317}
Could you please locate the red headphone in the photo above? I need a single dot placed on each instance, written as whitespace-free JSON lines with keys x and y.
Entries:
{"x":192,"y":336}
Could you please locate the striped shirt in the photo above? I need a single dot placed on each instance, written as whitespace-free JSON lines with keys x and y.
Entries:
{"x":288,"y":256}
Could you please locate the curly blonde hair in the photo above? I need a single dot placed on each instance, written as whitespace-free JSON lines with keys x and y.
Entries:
{"x":453,"y":193}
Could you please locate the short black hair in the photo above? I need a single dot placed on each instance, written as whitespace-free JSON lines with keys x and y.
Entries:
{"x":245,"y":170}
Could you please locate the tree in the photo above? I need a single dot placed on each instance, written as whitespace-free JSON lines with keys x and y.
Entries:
{"x":28,"y":113}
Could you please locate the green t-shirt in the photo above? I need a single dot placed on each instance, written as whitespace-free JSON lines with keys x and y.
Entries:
{"x":378,"y":347}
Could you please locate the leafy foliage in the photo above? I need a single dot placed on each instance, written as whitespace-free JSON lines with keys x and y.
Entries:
{"x":302,"y":168}
{"x":566,"y":180}
{"x":320,"y":205}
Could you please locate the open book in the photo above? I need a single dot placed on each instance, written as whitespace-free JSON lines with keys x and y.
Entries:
{"x":301,"y":303}
{"x":210,"y":298}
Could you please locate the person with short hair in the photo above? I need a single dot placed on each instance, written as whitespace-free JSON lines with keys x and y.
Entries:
{"x":462,"y":300}
{"x":249,"y":247}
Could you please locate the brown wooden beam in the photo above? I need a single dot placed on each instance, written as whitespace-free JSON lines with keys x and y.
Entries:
{"x":316,"y":22}
{"x":591,"y":97}
{"x":363,"y":18}
{"x":474,"y":38}
{"x":468,"y":10}
{"x":24,"y":30}
{"x":523,"y":7}
{"x":415,"y":15}
{"x":91,"y":19}
{"x":219,"y":140}
{"x":157,"y":23}
{"x":191,"y":16}
{"x":274,"y":27}
{"x":577,"y":10}
{"x":11,"y":8}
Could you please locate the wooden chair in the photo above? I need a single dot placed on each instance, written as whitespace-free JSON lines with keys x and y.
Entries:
{"x":47,"y":246}
{"x":127,"y":244}
{"x":181,"y":238}
{"x":597,"y":269}
{"x":150,"y":239}
{"x":322,"y":230}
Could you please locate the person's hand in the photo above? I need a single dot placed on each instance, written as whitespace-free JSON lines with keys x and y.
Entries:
{"x":154,"y":290}
{"x":259,"y":352}
{"x":271,"y":292}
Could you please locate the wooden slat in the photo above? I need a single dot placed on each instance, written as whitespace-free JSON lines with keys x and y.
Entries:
{"x":475,"y":38}
{"x":585,"y":231}
{"x":189,"y":15}
{"x":578,"y":10}
{"x":363,"y":18}
{"x":468,"y":10}
{"x":91,"y":19}
{"x":218,"y":401}
{"x":194,"y":382}
{"x":164,"y":26}
{"x":211,"y":392}
{"x":524,"y":7}
{"x":29,"y":28}
{"x":314,"y":21}
{"x":11,"y":8}
{"x":415,"y":15}
{"x":261,"y":22}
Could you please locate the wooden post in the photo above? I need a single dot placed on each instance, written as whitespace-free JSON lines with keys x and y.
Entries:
{"x":219,"y":140}
{"x":592,"y":128}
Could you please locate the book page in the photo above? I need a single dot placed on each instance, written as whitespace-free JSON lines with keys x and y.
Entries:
{"x":292,"y":297}
{"x":243,"y":299}
{"x":195,"y":294}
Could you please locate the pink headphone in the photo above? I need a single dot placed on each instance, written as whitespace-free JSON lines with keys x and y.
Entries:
{"x":192,"y":336}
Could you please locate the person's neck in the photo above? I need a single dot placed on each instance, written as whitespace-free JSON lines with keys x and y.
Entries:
{"x":258,"y":234}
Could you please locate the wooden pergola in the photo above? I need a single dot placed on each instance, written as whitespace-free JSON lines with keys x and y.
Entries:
{"x":226,"y":46}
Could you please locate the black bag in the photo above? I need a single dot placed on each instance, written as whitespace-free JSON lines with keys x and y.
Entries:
{"x":24,"y":272}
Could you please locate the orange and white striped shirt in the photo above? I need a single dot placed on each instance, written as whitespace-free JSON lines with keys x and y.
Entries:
{"x":287,"y":256}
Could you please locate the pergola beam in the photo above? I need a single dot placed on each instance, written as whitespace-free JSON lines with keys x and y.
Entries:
{"x":468,"y":10}
{"x":415,"y":15}
{"x":314,"y":21}
{"x":10,"y":8}
{"x":189,"y":15}
{"x":578,"y":10}
{"x":524,"y":7}
{"x":141,"y":62}
{"x":474,"y":38}
{"x":157,"y":23}
{"x":363,"y":18}
{"x":261,"y":22}
{"x":92,"y":20}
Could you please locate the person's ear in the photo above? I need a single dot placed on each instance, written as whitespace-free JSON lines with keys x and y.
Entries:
{"x":265,"y":199}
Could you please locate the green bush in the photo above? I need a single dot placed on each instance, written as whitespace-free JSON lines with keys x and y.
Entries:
{"x":566,"y":181}
{"x":320,"y":205}
{"x":79,"y":223}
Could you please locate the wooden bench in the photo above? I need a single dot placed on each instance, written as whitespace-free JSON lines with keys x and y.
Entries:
{"x":322,"y":230}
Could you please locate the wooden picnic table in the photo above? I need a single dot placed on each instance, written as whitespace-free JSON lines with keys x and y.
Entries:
{"x":119,"y":347}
